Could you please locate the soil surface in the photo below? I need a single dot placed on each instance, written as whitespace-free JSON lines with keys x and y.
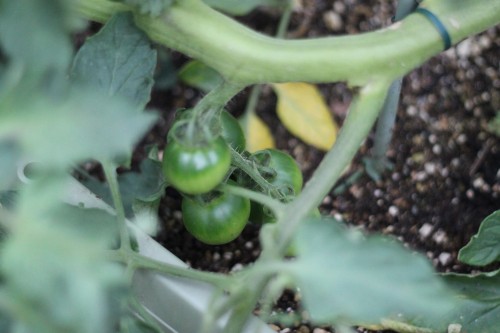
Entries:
{"x":446,"y":163}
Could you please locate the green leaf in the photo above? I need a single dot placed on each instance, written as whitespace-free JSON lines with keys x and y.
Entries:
{"x":36,"y":33}
{"x":139,"y":190}
{"x":199,"y":75}
{"x":118,"y":60}
{"x":238,"y":7}
{"x":303,"y":111}
{"x":478,"y":305}
{"x":78,"y":125}
{"x":345,"y":277}
{"x":484,"y":247}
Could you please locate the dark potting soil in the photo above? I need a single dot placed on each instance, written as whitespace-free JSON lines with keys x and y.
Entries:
{"x":446,"y":174}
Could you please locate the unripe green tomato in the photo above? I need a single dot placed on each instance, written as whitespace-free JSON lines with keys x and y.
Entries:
{"x":196,"y":169}
{"x":217,"y":222}
{"x":287,"y":170}
{"x":287,"y":173}
{"x":232,"y":132}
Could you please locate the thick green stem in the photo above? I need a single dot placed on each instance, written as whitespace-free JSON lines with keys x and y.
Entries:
{"x":247,"y":57}
{"x":360,"y":119}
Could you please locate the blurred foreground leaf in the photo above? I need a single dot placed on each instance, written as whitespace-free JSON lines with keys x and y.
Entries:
{"x":303,"y":111}
{"x":79,"y":125}
{"x":36,"y":33}
{"x":55,"y":277}
{"x":345,"y":277}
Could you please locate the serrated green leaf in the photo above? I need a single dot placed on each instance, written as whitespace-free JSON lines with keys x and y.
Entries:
{"x":139,"y":190}
{"x":478,"y":305}
{"x":303,"y":111}
{"x":118,"y":60}
{"x":198,"y":75}
{"x":484,"y":247}
{"x":345,"y":277}
{"x":36,"y":33}
{"x":79,"y":125}
{"x":238,"y":7}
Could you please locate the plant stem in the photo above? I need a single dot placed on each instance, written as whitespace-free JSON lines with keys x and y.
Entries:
{"x":110,"y":173}
{"x":360,"y":119}
{"x":217,"y":98}
{"x":276,"y":206}
{"x":247,"y":57}
{"x":140,"y":262}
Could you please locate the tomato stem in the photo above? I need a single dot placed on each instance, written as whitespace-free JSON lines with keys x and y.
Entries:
{"x":138,"y":261}
{"x":110,"y":173}
{"x":241,"y":163}
{"x":276,"y":206}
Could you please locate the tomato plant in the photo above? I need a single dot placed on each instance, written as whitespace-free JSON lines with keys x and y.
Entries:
{"x":100,"y":93}
{"x":196,"y":169}
{"x":218,"y":221}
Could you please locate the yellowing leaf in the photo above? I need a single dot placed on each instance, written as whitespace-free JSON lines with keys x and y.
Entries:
{"x":257,"y":134}
{"x":303,"y":111}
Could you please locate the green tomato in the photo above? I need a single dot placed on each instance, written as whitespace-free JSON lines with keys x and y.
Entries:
{"x":287,"y":171}
{"x":232,"y":132}
{"x":286,"y":174}
{"x":217,"y":222}
{"x":196,"y":169}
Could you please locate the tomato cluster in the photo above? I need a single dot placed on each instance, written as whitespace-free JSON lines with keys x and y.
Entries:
{"x":196,"y":169}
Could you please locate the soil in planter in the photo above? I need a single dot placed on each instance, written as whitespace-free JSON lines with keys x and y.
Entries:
{"x":446,"y":174}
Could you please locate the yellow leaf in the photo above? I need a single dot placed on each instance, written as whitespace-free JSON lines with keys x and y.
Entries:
{"x":257,"y":134}
{"x":303,"y":111}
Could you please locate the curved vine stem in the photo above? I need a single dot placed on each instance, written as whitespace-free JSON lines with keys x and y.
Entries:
{"x":247,"y":57}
